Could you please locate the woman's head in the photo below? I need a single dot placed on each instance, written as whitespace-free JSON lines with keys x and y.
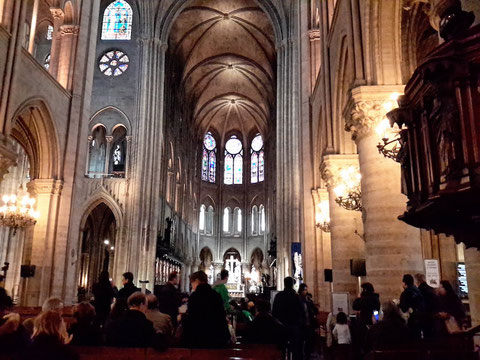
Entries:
{"x":445,"y":288}
{"x":342,"y":318}
{"x":391,"y":311}
{"x":367,"y":288}
{"x":104,"y":277}
{"x":303,"y":289}
{"x":50,"y":323}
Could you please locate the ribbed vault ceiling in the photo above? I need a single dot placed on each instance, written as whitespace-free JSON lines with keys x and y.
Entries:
{"x":228,"y":55}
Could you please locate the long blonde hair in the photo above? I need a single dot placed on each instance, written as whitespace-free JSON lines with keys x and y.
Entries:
{"x":51,"y":323}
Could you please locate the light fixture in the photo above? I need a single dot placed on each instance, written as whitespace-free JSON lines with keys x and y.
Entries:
{"x":349,"y":195}
{"x":322,"y":216}
{"x":112,"y":248}
{"x":106,"y":242}
{"x":390,"y":145}
{"x":17,"y":210}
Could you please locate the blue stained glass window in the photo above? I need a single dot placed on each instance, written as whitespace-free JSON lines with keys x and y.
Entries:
{"x":117,"y":21}
{"x":233,"y":161}
{"x":212,"y":164}
{"x":257,"y":161}
{"x":209,"y":158}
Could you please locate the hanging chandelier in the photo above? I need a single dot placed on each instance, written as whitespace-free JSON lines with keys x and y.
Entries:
{"x":17,"y":211}
{"x":390,"y":144}
{"x":322,"y":216}
{"x":349,"y":195}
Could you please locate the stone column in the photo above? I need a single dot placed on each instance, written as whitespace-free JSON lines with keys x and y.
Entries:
{"x":322,"y":259}
{"x":66,"y":56}
{"x":108,"y":151}
{"x":41,"y":246}
{"x":392,"y":247}
{"x":33,"y":27}
{"x":472,"y":265}
{"x":346,"y":227}
{"x":58,"y":16}
{"x":315,"y":55}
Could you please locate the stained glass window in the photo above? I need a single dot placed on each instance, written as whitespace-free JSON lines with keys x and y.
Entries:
{"x":254,"y":216}
{"x":238,"y":216}
{"x":49,"y":32}
{"x":262,"y":219}
{"x":209,"y":158}
{"x":114,"y":62}
{"x":226,"y":220}
{"x":257,"y":165}
{"x":117,"y":21}
{"x":46,"y":62}
{"x":233,"y":161}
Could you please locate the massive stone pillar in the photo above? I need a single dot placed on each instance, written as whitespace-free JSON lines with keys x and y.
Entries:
{"x":392,"y":247}
{"x":66,"y":56}
{"x":346,"y":227}
{"x":472,"y":265}
{"x":321,"y":247}
{"x":42,"y":244}
{"x":58,"y":16}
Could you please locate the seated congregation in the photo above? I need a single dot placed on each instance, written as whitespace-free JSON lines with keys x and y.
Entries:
{"x":129,"y":324}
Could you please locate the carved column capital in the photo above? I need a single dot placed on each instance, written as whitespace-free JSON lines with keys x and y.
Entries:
{"x":333,"y":164}
{"x":128,"y":138}
{"x":45,"y":187}
{"x":90,"y":138}
{"x":314,"y":34}
{"x":109,"y":138}
{"x":69,"y":30}
{"x":57,"y":13}
{"x":368,"y":106}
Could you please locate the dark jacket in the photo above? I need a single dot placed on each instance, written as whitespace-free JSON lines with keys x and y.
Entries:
{"x":85,"y":334}
{"x":205,"y":324}
{"x":127,"y":290}
{"x":389,"y":334}
{"x":169,"y":299}
{"x":265,"y":329}
{"x":104,"y":294}
{"x":452,"y":305}
{"x":430,"y":299}
{"x":288,"y":309}
{"x":411,"y":298}
{"x":47,"y":347}
{"x":367,"y":303}
{"x":131,"y":330}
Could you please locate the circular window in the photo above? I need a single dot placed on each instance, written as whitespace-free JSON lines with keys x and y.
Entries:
{"x":114,"y":63}
{"x":209,"y":142}
{"x":233,"y":146}
{"x":257,"y":143}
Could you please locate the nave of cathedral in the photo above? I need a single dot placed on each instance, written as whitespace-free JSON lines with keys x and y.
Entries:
{"x":334,"y":142}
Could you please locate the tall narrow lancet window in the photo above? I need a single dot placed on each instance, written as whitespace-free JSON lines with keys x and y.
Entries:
{"x":209,"y":158}
{"x":117,"y":21}
{"x":254,"y":219}
{"x":97,"y":152}
{"x":226,"y":220}
{"x":262,"y":219}
{"x":201,"y":220}
{"x":210,"y":220}
{"x":238,"y":221}
{"x":257,"y":160}
{"x":118,"y":154}
{"x":233,"y":161}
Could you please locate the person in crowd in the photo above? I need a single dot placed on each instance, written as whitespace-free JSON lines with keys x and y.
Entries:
{"x":343,"y":339}
{"x":265,"y":329}
{"x":365,"y":305}
{"x":169,"y":298}
{"x":329,"y":326}
{"x":411,"y":302}
{"x":132,"y":329}
{"x":104,"y":293}
{"x":84,"y":332}
{"x":222,"y":290}
{"x":13,"y":337}
{"x":243,"y":316}
{"x":161,"y":322}
{"x":53,"y":304}
{"x":204,"y":324}
{"x":50,"y":339}
{"x":288,"y":309}
{"x":310,"y":320}
{"x":391,"y":332}
{"x":451,"y":312}
{"x":128,"y":287}
{"x":430,"y":301}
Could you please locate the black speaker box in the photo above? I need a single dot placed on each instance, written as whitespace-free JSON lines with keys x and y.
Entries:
{"x":328,"y":274}
{"x":357,"y":267}
{"x":27,"y":271}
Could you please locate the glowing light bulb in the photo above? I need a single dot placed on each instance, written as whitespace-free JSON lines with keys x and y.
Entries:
{"x":106,"y":242}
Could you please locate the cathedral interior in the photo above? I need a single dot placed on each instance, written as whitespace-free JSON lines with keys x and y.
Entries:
{"x":334,"y":141}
